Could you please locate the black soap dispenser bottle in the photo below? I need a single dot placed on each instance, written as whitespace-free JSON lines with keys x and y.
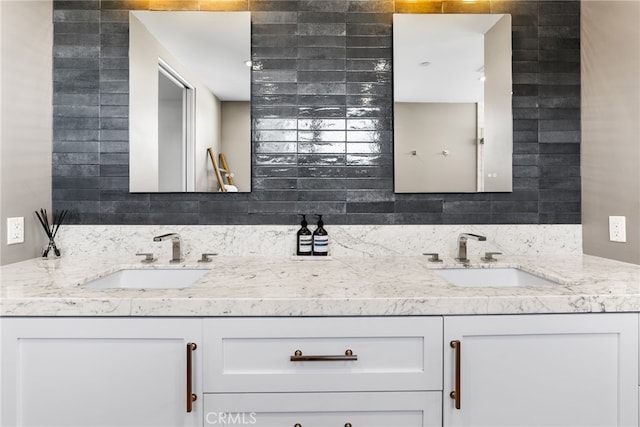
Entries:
{"x":320,"y":239}
{"x":304,"y":246}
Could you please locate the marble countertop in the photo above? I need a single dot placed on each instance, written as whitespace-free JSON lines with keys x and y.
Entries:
{"x":263,"y":286}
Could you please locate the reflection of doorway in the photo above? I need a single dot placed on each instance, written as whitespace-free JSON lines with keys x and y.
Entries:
{"x":175,"y":132}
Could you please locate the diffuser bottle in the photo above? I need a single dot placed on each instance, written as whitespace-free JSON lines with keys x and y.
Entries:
{"x":320,"y":239}
{"x":304,"y":239}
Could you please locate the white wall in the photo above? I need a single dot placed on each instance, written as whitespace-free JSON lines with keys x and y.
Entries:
{"x":26,"y":43}
{"x":610,"y":52}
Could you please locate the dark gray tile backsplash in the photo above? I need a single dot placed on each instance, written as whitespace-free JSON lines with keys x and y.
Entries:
{"x":322,"y":117}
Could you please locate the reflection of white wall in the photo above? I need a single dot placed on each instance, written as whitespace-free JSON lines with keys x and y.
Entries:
{"x":236,"y":137}
{"x":143,"y":127}
{"x":430,"y":128}
{"x":171,"y":154}
{"x":208,"y":128}
{"x":498,"y":133}
{"x":144,"y":51}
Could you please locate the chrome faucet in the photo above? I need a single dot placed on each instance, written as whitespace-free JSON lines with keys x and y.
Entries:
{"x":462,"y":245}
{"x":175,"y":243}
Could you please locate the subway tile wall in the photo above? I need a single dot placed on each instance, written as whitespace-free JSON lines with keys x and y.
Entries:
{"x":322,"y":117}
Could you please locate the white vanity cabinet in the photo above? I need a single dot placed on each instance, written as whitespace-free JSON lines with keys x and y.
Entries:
{"x":541,"y":370}
{"x":373,"y":371}
{"x":99,"y":372}
{"x":358,"y":409}
{"x":510,"y":370}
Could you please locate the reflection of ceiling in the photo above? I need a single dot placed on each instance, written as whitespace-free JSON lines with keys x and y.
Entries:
{"x":213,"y":45}
{"x":453,"y":46}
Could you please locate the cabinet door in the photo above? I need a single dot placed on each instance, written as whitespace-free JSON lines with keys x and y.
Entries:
{"x":370,"y":409}
{"x":547,"y":370}
{"x":98,"y":372}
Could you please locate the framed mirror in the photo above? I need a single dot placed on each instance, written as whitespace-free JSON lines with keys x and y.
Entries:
{"x":189,"y":101}
{"x":453,"y":126}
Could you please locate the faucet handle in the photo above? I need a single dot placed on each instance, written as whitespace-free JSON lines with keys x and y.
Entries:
{"x":205,"y":257}
{"x":488,"y":256}
{"x":433,"y":256}
{"x":148,"y":257}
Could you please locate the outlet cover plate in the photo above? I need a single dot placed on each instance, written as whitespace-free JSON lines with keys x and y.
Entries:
{"x":15,"y":230}
{"x":617,"y":229}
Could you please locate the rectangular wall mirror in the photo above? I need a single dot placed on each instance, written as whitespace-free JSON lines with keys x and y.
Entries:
{"x":189,"y":101}
{"x":453,"y":126}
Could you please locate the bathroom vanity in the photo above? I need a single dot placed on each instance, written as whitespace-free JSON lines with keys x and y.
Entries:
{"x":376,"y":342}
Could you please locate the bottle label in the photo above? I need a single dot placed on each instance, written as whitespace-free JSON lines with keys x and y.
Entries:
{"x":320,"y":244}
{"x":305,"y":243}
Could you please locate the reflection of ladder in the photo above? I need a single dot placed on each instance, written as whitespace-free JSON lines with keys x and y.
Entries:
{"x":225,"y":169}
{"x":222,"y":168}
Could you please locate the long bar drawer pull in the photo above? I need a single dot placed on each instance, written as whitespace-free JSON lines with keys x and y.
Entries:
{"x":191,"y":396}
{"x":455,"y":394}
{"x":348,"y":355}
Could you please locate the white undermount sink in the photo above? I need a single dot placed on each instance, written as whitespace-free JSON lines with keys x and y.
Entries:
{"x":157,"y":278}
{"x":492,"y":277}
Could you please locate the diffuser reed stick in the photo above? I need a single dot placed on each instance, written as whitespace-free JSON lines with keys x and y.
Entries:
{"x":51,"y":229}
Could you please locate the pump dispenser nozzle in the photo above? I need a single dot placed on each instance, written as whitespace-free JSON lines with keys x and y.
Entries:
{"x":304,"y":246}
{"x":320,"y":239}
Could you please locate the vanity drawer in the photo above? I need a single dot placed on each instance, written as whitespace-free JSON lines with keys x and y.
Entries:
{"x":370,"y":409}
{"x":255,"y":354}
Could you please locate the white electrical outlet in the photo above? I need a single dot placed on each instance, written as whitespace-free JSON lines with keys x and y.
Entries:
{"x":617,"y":229}
{"x":15,"y":230}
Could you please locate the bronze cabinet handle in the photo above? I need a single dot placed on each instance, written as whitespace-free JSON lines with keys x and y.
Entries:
{"x":455,"y":394}
{"x":348,"y":355}
{"x":300,"y":425}
{"x":191,"y":396}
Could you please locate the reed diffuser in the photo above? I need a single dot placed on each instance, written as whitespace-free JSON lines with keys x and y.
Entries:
{"x":51,"y":229}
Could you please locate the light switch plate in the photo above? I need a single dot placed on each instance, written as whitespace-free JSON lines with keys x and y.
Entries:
{"x":617,"y":229}
{"x":15,"y":230}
